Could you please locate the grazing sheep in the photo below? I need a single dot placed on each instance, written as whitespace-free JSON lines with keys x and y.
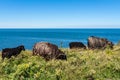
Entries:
{"x":76,"y":45}
{"x":48,"y":51}
{"x":99,"y":43}
{"x":8,"y":52}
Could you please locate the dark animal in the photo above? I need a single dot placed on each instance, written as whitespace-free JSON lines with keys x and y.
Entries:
{"x":77,"y":45}
{"x":8,"y":52}
{"x":48,"y":51}
{"x":90,"y":77}
{"x":99,"y":43}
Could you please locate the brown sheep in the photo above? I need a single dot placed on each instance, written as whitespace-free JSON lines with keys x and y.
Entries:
{"x":99,"y":43}
{"x":48,"y":51}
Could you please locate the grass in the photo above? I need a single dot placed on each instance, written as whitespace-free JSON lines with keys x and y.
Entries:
{"x":80,"y":65}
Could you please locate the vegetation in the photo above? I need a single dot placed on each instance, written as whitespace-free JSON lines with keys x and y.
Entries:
{"x":80,"y":65}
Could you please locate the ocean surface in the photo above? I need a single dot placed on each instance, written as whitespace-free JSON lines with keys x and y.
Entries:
{"x":62,"y":37}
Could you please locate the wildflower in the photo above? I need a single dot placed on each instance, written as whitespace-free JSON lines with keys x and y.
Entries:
{"x":58,"y":71}
{"x":92,"y":71}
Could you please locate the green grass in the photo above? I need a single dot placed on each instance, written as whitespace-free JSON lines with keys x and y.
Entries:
{"x":80,"y":65}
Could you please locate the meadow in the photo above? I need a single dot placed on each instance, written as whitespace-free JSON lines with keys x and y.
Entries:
{"x":80,"y":65}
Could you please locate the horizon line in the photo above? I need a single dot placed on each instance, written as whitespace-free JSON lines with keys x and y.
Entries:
{"x":61,"y":27}
{"x":64,"y":28}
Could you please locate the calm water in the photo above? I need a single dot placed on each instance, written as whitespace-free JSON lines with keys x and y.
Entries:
{"x":28,"y":37}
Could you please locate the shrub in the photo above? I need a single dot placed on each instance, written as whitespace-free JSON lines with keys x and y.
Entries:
{"x":80,"y":65}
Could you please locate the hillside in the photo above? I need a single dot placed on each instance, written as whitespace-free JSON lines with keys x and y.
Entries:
{"x":80,"y":65}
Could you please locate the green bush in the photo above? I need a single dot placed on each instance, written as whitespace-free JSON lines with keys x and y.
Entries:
{"x":80,"y":65}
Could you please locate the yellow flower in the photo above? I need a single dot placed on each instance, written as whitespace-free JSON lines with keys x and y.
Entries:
{"x":92,"y":71}
{"x":26,"y":66}
{"x":58,"y":71}
{"x":37,"y":75}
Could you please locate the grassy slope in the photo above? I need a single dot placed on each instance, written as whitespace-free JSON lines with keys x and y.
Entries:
{"x":81,"y":65}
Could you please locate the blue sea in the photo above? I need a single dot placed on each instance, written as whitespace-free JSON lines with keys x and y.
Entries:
{"x":28,"y":37}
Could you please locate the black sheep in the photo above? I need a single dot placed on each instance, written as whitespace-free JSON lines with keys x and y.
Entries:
{"x":76,"y":45}
{"x":8,"y":52}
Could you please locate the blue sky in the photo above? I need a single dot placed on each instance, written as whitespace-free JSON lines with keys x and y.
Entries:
{"x":59,"y":13}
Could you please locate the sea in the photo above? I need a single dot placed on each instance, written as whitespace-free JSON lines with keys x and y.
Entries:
{"x":10,"y":38}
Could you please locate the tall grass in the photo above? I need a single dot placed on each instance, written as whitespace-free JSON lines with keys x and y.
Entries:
{"x":80,"y":65}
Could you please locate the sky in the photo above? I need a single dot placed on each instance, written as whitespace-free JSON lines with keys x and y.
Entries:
{"x":59,"y":13}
